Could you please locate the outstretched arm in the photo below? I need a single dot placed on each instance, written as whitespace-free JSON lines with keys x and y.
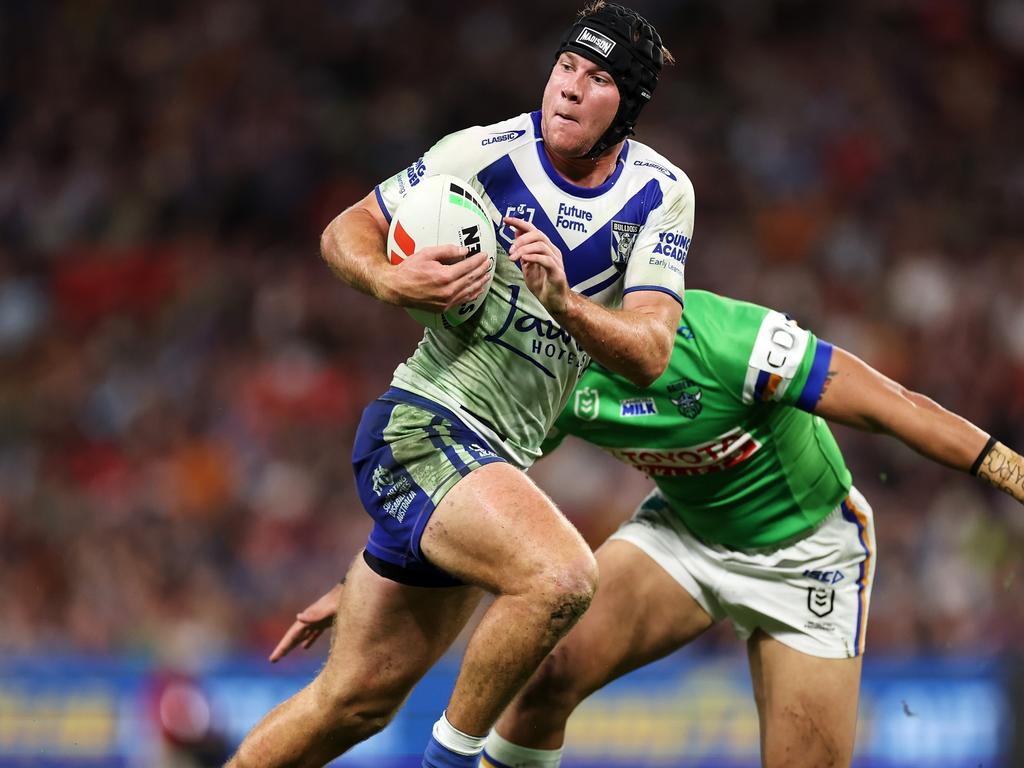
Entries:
{"x":857,"y":395}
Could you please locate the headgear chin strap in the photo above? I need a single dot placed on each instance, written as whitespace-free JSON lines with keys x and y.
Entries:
{"x":625,"y":45}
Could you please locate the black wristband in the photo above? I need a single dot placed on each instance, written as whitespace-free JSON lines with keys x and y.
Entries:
{"x":981,"y":456}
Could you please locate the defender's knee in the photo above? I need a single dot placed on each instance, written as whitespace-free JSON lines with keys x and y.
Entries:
{"x":556,"y":688}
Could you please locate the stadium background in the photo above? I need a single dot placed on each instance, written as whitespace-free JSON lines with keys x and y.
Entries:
{"x":181,"y":375}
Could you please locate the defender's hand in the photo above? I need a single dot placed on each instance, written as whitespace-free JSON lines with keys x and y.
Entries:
{"x":309,"y":624}
{"x":437,"y":278}
{"x":542,"y":263}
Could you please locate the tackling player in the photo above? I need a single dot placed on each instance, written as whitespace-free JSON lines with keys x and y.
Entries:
{"x":753,"y":518}
{"x":591,"y":221}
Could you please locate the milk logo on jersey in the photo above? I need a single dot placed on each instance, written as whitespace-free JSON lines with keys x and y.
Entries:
{"x":497,"y":138}
{"x":821,"y":601}
{"x":725,"y":451}
{"x":624,"y":236}
{"x":521,"y":211}
{"x":595,"y":41}
{"x":586,"y":403}
{"x":686,"y":395}
{"x":637,"y":406}
{"x":381,"y":479}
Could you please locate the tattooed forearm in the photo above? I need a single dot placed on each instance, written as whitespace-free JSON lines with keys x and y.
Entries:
{"x":1004,"y":469}
{"x":828,"y":380}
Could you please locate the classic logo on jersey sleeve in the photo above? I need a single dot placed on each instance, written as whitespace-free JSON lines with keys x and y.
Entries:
{"x":775,"y":359}
{"x":498,"y":138}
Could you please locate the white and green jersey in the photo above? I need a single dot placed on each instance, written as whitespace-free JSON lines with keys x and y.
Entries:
{"x":509,"y":370}
{"x":726,"y":432}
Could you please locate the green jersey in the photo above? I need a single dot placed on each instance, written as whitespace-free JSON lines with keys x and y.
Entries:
{"x":726,"y":432}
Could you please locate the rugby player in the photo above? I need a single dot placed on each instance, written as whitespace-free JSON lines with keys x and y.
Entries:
{"x":596,"y":228}
{"x":753,"y":518}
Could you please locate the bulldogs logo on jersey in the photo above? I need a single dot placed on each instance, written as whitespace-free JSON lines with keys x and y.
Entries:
{"x":686,"y":396}
{"x":624,"y":236}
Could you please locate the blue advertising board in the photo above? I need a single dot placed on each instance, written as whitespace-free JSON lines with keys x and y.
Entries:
{"x":687,"y":710}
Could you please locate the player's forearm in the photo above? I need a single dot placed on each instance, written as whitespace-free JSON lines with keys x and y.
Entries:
{"x":353,"y":247}
{"x":931,"y":430}
{"x":630,"y":343}
{"x":1001,"y":468}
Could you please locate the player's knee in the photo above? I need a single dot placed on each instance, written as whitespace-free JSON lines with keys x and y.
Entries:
{"x":558,"y":685}
{"x":359,"y":711}
{"x":569,"y":590}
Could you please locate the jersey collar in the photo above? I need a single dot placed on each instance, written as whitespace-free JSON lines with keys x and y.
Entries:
{"x":568,"y":186}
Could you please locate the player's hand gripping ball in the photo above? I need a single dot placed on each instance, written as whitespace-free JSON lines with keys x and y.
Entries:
{"x":439,"y":210}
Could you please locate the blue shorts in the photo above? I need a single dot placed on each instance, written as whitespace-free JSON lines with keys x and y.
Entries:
{"x":408,"y":453}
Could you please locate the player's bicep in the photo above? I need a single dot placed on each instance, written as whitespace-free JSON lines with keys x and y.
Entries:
{"x":857,"y":395}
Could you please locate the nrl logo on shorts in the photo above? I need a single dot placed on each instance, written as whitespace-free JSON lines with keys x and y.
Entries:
{"x":821,"y":601}
{"x":586,"y":403}
{"x":623,"y":238}
{"x":686,"y":396}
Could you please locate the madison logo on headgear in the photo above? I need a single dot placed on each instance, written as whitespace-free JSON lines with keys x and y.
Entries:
{"x":595,"y":41}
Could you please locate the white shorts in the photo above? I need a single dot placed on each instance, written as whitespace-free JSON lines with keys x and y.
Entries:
{"x":811,"y":594}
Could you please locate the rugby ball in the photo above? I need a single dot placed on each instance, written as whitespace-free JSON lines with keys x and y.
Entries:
{"x":442,"y":209}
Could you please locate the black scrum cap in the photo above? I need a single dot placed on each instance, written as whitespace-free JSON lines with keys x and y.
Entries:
{"x":624,"y":44}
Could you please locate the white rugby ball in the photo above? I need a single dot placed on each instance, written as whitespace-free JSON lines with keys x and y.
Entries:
{"x":439,"y":210}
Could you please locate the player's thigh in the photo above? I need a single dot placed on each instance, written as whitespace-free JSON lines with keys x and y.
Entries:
{"x":807,"y":705}
{"x":498,"y":530}
{"x":387,"y":634}
{"x":639,"y":614}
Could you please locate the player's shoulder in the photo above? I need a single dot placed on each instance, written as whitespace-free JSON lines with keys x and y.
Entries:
{"x":480,"y":145}
{"x":714,"y":315}
{"x":645,"y":163}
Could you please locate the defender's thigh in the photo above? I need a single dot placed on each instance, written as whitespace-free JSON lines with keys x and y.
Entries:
{"x":387,"y":635}
{"x":498,"y":530}
{"x":640,"y":614}
{"x":807,"y":705}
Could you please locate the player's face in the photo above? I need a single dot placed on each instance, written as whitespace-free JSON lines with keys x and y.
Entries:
{"x":580,"y":102}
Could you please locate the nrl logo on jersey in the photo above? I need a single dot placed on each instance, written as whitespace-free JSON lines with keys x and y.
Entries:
{"x":586,"y":403}
{"x":624,"y":236}
{"x":521,"y":211}
{"x":686,"y":395}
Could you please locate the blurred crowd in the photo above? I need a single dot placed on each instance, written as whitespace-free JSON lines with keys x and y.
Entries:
{"x":181,"y":375}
